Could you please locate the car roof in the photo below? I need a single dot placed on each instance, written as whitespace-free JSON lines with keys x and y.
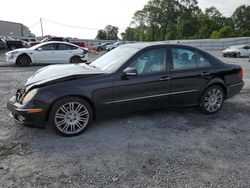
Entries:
{"x":54,"y":42}
{"x":141,"y":45}
{"x":60,"y":42}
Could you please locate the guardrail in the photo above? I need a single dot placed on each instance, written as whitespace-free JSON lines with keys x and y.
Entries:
{"x":208,"y":44}
{"x":215,"y":44}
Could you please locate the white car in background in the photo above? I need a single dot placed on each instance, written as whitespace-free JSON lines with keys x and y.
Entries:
{"x":237,"y":51}
{"x":48,"y":52}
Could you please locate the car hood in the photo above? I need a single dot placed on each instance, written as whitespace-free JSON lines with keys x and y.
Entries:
{"x":231,"y":50}
{"x":19,"y":50}
{"x":58,"y":73}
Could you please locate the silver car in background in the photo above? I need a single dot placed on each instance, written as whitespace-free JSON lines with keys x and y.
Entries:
{"x":237,"y":51}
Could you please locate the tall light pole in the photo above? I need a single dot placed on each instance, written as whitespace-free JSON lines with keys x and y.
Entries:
{"x":41,"y":26}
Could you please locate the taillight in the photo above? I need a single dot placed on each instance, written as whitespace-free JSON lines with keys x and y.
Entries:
{"x":240,"y":73}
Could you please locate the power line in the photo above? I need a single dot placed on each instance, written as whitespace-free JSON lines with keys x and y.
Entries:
{"x":38,"y":22}
{"x":68,"y":25}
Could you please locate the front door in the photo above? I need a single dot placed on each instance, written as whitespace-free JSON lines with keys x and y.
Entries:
{"x":45,"y":54}
{"x":149,"y":88}
{"x":245,"y":51}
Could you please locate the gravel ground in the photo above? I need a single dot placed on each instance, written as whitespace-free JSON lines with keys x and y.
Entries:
{"x":176,"y":147}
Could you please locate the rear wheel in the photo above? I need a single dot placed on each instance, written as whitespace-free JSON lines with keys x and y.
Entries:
{"x":23,"y":61}
{"x":212,"y":99}
{"x":70,"y":116}
{"x":75,"y":59}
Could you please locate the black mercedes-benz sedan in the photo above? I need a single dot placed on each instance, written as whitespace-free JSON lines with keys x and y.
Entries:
{"x":133,"y":77}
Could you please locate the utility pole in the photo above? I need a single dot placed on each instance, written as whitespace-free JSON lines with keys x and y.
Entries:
{"x":41,"y":26}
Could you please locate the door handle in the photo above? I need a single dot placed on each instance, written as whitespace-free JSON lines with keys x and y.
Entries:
{"x":165,"y":78}
{"x":205,"y":74}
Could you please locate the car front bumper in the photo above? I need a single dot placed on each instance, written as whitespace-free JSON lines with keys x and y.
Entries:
{"x":10,"y":58}
{"x":230,"y":54}
{"x":30,"y":115}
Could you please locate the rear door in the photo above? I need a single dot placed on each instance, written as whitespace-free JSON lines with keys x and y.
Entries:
{"x":64,"y":52}
{"x":149,"y":88}
{"x":190,"y":73}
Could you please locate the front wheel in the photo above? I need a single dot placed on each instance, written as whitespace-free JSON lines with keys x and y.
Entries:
{"x":212,"y":99}
{"x":23,"y":61}
{"x":70,"y":116}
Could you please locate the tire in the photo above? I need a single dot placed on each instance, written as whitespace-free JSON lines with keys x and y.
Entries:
{"x":75,"y":59}
{"x":237,"y":55}
{"x":212,"y":99}
{"x":23,"y":61}
{"x":70,"y":116}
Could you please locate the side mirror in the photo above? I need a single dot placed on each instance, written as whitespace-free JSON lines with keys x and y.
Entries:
{"x":39,"y":49}
{"x":129,"y":71}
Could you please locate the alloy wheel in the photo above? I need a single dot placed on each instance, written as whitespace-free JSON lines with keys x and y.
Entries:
{"x":71,"y":118}
{"x":213,"y":100}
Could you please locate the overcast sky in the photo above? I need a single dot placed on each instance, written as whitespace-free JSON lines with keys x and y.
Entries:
{"x":92,"y":14}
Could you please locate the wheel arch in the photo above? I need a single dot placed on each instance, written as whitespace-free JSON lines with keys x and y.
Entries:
{"x":24,"y":54}
{"x":217,"y":82}
{"x":78,"y":96}
{"x":74,"y":56}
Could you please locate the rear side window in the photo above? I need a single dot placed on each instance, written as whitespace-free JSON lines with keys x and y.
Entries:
{"x":72,"y":47}
{"x":66,"y":47}
{"x":202,"y":61}
{"x":183,"y":58}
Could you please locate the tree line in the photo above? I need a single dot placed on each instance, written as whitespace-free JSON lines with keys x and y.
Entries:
{"x":161,"y":20}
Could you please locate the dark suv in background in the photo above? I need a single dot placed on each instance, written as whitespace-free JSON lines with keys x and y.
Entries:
{"x":2,"y":44}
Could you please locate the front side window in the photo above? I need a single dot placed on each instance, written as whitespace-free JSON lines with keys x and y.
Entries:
{"x":150,"y":61}
{"x":183,"y":58}
{"x":48,"y":47}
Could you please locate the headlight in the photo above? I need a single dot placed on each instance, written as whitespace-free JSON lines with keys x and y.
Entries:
{"x":29,"y":96}
{"x":15,"y":52}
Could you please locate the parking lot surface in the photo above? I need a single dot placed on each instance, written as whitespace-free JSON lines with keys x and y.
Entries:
{"x":174,"y":147}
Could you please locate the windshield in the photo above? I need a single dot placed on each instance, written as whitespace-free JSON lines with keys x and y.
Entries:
{"x":36,"y":46}
{"x":117,"y":43}
{"x":113,"y":60}
{"x":45,"y":39}
{"x":235,"y":47}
